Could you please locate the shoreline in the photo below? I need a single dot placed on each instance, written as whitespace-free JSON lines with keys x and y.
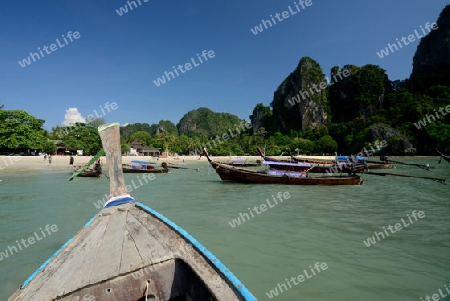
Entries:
{"x":14,"y":164}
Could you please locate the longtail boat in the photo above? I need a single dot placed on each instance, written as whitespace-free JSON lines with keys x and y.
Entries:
{"x":94,"y":172}
{"x":170,"y":165}
{"x":446,"y":158}
{"x":237,"y":174}
{"x":137,"y":166}
{"x":373,"y":166}
{"x":129,"y":252}
{"x":314,"y":165}
{"x":242,"y":162}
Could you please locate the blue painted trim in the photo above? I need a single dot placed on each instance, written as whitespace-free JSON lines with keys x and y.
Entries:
{"x":120,"y":202}
{"x":51,"y":257}
{"x":216,"y":262}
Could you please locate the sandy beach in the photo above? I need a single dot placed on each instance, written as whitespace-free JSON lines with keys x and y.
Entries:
{"x":12,"y":164}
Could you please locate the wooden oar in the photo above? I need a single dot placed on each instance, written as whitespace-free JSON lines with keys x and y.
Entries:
{"x":85,"y":166}
{"x":179,"y":167}
{"x":440,"y":180}
{"x":426,"y":167}
{"x":446,"y":158}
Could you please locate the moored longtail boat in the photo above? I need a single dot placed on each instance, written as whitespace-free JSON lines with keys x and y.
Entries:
{"x":243,"y":175}
{"x":143,"y":167}
{"x":372,"y":166}
{"x":313,"y":165}
{"x":446,"y":158}
{"x":130,"y":252}
{"x":94,"y":172}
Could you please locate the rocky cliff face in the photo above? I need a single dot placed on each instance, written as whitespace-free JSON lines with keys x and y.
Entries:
{"x":432,"y":56}
{"x":299,"y":102}
{"x":358,"y":95}
{"x":262,"y":117}
{"x":397,"y":144}
{"x":434,"y":49}
{"x":204,"y":123}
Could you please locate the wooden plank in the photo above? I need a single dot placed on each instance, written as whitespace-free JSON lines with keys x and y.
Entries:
{"x":131,"y":259}
{"x":179,"y":248}
{"x":86,"y":256}
{"x":109,"y":254}
{"x":150,"y":249}
{"x":110,"y":135}
{"x":56,"y":278}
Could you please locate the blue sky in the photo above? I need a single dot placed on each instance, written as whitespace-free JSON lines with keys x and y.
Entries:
{"x":117,"y":58}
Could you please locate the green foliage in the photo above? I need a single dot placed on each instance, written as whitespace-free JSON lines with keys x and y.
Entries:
{"x":143,"y":137}
{"x":97,"y":122}
{"x":48,"y":147}
{"x":306,"y":76}
{"x":167,"y":127}
{"x":128,"y":130}
{"x":205,"y":123}
{"x":18,"y":129}
{"x":83,"y":137}
{"x":124,"y":148}
{"x":327,"y":144}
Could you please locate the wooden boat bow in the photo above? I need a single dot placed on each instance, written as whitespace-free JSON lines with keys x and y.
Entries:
{"x":129,"y":252}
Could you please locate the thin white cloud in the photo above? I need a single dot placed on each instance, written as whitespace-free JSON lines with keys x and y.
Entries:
{"x":72,"y":116}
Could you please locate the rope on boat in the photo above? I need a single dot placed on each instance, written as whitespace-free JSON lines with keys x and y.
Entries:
{"x":439,"y":180}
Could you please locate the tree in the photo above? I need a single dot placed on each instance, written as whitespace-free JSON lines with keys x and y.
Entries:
{"x":125,"y":148}
{"x":84,"y":137}
{"x":97,"y":122}
{"x":48,"y":147}
{"x":18,"y":129}
{"x":327,"y":144}
{"x":141,"y":136}
{"x":167,"y":127}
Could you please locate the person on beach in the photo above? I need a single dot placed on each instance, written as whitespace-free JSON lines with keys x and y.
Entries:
{"x":71,"y":161}
{"x":49,"y":159}
{"x":45,"y":157}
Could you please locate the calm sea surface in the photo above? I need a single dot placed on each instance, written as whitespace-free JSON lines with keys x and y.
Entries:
{"x":316,"y":224}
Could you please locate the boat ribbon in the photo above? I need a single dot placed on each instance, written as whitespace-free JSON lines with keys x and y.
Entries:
{"x":119,"y":200}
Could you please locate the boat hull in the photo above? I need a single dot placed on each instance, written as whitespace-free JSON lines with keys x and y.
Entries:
{"x":90,"y":174}
{"x":94,"y":172}
{"x":303,"y":167}
{"x":128,"y":252}
{"x":230,"y":173}
{"x":378,"y":166}
{"x":133,"y":170}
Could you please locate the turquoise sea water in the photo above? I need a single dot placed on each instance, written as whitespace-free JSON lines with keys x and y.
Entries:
{"x":316,"y":224}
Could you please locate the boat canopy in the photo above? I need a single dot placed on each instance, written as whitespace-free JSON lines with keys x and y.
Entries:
{"x":345,"y":158}
{"x":286,"y":163}
{"x":142,"y":162}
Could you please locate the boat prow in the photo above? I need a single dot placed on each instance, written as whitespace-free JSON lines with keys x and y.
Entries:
{"x":128,"y":252}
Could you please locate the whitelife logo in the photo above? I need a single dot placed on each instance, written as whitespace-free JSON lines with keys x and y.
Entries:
{"x":423,"y":122}
{"x":11,"y":250}
{"x":284,"y":287}
{"x":398,"y":226}
{"x":237,"y":221}
{"x":124,"y":9}
{"x":411,"y":38}
{"x":25,"y":62}
{"x":188,"y":66}
{"x":280,"y":17}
